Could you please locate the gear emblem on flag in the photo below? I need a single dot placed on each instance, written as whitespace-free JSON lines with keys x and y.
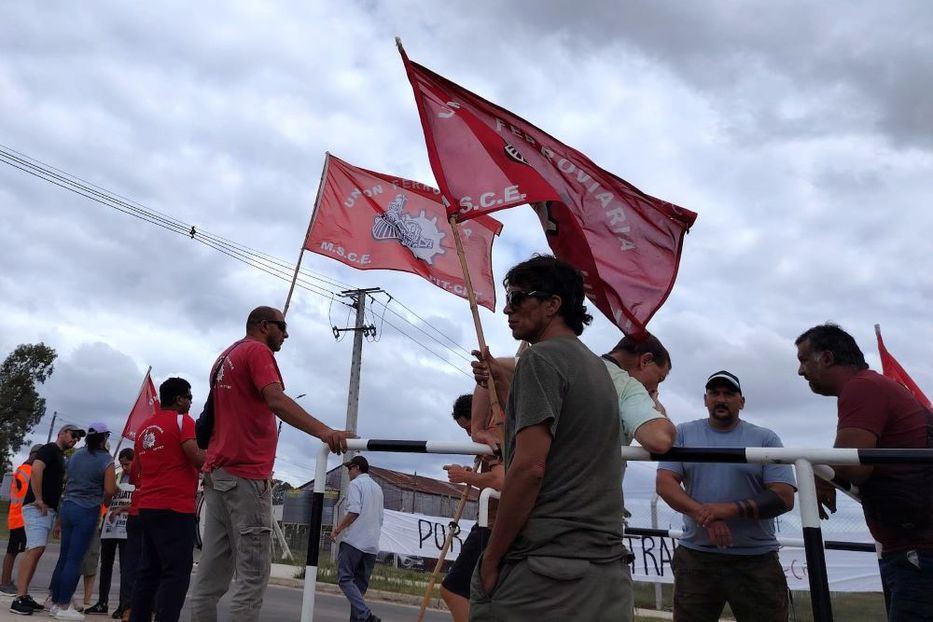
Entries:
{"x":419,"y":234}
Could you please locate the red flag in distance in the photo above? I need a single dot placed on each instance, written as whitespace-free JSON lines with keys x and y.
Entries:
{"x":373,"y":221}
{"x":893,"y":370}
{"x":146,"y":405}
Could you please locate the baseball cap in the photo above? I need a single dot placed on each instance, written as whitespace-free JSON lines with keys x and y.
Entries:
{"x":359,"y":461}
{"x":727,"y":377}
{"x":68,"y":427}
{"x":98,"y":427}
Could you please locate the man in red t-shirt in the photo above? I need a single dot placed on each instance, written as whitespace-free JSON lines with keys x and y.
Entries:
{"x":248,"y":394}
{"x":168,"y":460}
{"x":875,"y":411}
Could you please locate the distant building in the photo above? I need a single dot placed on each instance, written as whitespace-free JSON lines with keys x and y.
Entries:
{"x":401,"y":491}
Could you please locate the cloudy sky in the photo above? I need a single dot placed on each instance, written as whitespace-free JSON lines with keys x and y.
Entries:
{"x":802,"y":135}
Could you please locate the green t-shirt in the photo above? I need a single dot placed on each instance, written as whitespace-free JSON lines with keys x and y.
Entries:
{"x":578,"y":512}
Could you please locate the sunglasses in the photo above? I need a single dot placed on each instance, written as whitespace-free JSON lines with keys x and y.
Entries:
{"x":76,"y":436}
{"x":516,"y":297}
{"x":280,"y":323}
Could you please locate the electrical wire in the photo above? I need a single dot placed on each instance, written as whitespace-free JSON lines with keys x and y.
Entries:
{"x":264,"y":262}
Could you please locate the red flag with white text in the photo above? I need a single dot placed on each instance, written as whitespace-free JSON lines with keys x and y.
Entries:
{"x":146,"y":405}
{"x":893,"y":370}
{"x":373,"y":221}
{"x":485,"y":158}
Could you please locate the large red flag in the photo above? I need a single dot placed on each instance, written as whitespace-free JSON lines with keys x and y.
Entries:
{"x":372,"y":221}
{"x":626,"y":243}
{"x":146,"y":405}
{"x":893,"y":370}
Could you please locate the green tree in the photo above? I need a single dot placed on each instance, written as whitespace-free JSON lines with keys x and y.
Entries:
{"x":21,"y":408}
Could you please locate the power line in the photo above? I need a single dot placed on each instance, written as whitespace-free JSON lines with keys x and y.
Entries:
{"x":264,"y":262}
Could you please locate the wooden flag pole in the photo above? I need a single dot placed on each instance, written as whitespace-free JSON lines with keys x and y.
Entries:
{"x":494,"y":405}
{"x":317,"y":201}
{"x":454,"y":525}
{"x":116,"y":451}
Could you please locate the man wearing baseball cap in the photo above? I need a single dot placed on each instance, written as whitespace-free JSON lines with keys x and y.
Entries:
{"x":360,"y":543}
{"x":40,"y":507}
{"x":728,"y":552}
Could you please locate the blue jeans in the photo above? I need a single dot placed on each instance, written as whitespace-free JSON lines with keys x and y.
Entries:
{"x":909,"y":574}
{"x":353,"y":570}
{"x":79,"y":525}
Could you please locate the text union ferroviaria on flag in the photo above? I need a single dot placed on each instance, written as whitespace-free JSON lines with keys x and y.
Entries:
{"x":485,"y":158}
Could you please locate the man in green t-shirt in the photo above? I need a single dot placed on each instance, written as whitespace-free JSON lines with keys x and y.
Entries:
{"x":556,"y":550}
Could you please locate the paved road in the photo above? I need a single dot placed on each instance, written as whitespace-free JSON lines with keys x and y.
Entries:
{"x":280,"y":604}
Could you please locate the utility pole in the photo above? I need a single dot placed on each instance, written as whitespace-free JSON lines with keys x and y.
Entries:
{"x":51,"y":426}
{"x":358,"y":296}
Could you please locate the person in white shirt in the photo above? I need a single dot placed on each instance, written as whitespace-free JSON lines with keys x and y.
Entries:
{"x":360,"y":543}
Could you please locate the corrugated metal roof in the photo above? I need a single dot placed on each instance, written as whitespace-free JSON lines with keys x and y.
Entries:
{"x":414,"y":483}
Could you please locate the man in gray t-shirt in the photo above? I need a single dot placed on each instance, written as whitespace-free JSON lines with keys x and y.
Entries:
{"x":556,"y":550}
{"x":728,"y":552}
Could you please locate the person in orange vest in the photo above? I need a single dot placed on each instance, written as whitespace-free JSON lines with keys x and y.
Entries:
{"x":17,"y":543}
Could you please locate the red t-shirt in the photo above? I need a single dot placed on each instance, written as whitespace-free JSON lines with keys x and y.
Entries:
{"x":893,"y":494}
{"x":167,"y":481}
{"x":244,"y":437}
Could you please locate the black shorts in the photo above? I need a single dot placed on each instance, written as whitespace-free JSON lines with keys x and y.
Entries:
{"x":17,"y":543}
{"x":458,"y":579}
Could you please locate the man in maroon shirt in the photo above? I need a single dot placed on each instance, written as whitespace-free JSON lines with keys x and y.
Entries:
{"x":168,"y":461}
{"x":875,"y":411}
{"x":248,"y":394}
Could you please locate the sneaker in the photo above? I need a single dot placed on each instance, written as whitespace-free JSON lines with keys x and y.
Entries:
{"x":68,"y":614}
{"x":373,"y":618}
{"x":118,"y":612}
{"x":53,"y":609}
{"x":8,"y":589}
{"x":100,"y":609}
{"x":21,"y":607}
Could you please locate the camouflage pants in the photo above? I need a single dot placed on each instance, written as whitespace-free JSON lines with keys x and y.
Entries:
{"x":753,"y":585}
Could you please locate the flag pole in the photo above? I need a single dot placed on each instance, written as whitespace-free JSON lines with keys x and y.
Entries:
{"x":494,"y":405}
{"x":301,"y":252}
{"x":120,"y":442}
{"x":454,"y":526}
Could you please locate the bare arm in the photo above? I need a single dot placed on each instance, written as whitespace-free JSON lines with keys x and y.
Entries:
{"x":346,"y":522}
{"x":857,"y":438}
{"x":668,"y":486}
{"x":494,"y":478}
{"x":286,"y":409}
{"x":110,"y":484}
{"x":483,"y":430}
{"x":657,"y":435}
{"x":519,"y":492}
{"x":194,"y":454}
{"x":35,"y":482}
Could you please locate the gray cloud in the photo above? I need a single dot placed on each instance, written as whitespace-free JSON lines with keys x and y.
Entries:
{"x":800,"y":133}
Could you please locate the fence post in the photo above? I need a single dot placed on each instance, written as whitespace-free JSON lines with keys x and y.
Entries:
{"x":314,"y":535}
{"x":813,"y":542}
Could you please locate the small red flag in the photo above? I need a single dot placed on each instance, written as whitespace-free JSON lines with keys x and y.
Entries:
{"x":893,"y":370}
{"x":146,"y":405}
{"x":626,"y":243}
{"x":372,"y":221}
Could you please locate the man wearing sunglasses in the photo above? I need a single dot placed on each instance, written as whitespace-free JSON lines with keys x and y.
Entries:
{"x":248,"y":394}
{"x":556,"y":549}
{"x":40,"y":508}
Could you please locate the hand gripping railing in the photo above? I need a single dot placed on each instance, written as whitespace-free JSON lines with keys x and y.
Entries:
{"x":802,"y":459}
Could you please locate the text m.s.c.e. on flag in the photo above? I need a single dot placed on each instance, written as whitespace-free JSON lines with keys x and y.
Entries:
{"x":485,"y":158}
{"x":374,"y":221}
